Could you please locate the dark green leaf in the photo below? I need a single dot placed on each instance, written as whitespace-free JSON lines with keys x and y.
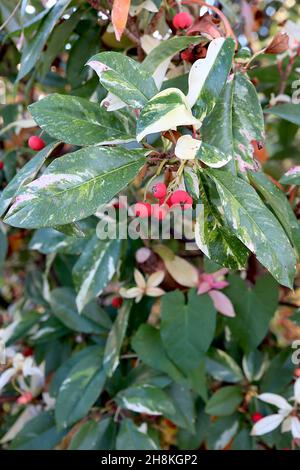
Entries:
{"x":187,"y":329}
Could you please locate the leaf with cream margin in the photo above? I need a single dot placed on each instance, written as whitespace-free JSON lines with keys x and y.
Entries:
{"x":158,"y":59}
{"x":24,"y":176}
{"x":239,"y":120}
{"x":208,"y":76}
{"x":115,"y":339}
{"x":267,"y":424}
{"x":95,"y":268}
{"x":255,"y":225}
{"x":145,"y":398}
{"x":119,"y":15}
{"x":123,"y":77}
{"x":78,"y":121}
{"x":167,"y":110}
{"x":188,"y":148}
{"x":74,"y":186}
{"x":214,"y":238}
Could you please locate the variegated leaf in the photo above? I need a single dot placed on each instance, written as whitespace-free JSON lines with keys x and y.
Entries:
{"x":74,"y":186}
{"x":292,"y":176}
{"x":214,"y":238}
{"x":255,"y":225}
{"x":123,"y":77}
{"x":235,"y":122}
{"x":94,"y":269}
{"x":25,"y":176}
{"x":208,"y":76}
{"x":167,"y":110}
{"x":77,"y":121}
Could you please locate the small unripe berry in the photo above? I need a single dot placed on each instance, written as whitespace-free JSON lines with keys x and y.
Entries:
{"x":255,"y":417}
{"x":181,"y":198}
{"x":36,"y":143}
{"x":159,"y":212}
{"x":1,"y":165}
{"x":142,"y":210}
{"x":117,"y":302}
{"x":159,"y":190}
{"x":182,"y":20}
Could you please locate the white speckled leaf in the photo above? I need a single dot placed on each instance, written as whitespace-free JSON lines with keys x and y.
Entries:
{"x":77,"y":121}
{"x":123,"y":77}
{"x":167,"y":110}
{"x":279,"y":204}
{"x":256,"y":227}
{"x":214,"y":238}
{"x":147,"y":399}
{"x":80,"y":389}
{"x":74,"y":186}
{"x":212,"y":156}
{"x":95,"y":268}
{"x":115,"y":339}
{"x":208,"y":76}
{"x":24,"y":176}
{"x":235,"y":122}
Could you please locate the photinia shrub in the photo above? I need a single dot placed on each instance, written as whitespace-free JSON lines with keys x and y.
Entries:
{"x":149,"y":204}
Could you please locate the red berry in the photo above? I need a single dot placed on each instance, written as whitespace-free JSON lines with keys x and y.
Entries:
{"x":297,"y":372}
{"x":27,"y":351}
{"x":256,"y":417}
{"x":159,"y":190}
{"x":36,"y":143}
{"x":182,"y":20}
{"x":142,"y":210}
{"x":159,"y":212}
{"x":117,"y":302}
{"x":181,"y":198}
{"x":1,"y":165}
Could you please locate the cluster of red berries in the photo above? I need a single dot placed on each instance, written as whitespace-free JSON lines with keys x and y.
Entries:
{"x":182,"y":20}
{"x":36,"y":143}
{"x":159,"y":211}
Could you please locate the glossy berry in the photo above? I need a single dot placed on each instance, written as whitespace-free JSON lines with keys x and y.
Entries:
{"x":142,"y":209}
{"x":36,"y":143}
{"x":256,"y":417}
{"x":27,"y":351}
{"x":117,"y":302}
{"x":1,"y":165}
{"x":181,"y":198}
{"x":182,"y":20}
{"x":159,"y":212}
{"x":159,"y":190}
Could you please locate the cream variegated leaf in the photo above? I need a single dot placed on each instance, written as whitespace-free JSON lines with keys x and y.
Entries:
{"x":166,"y":110}
{"x":208,"y":76}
